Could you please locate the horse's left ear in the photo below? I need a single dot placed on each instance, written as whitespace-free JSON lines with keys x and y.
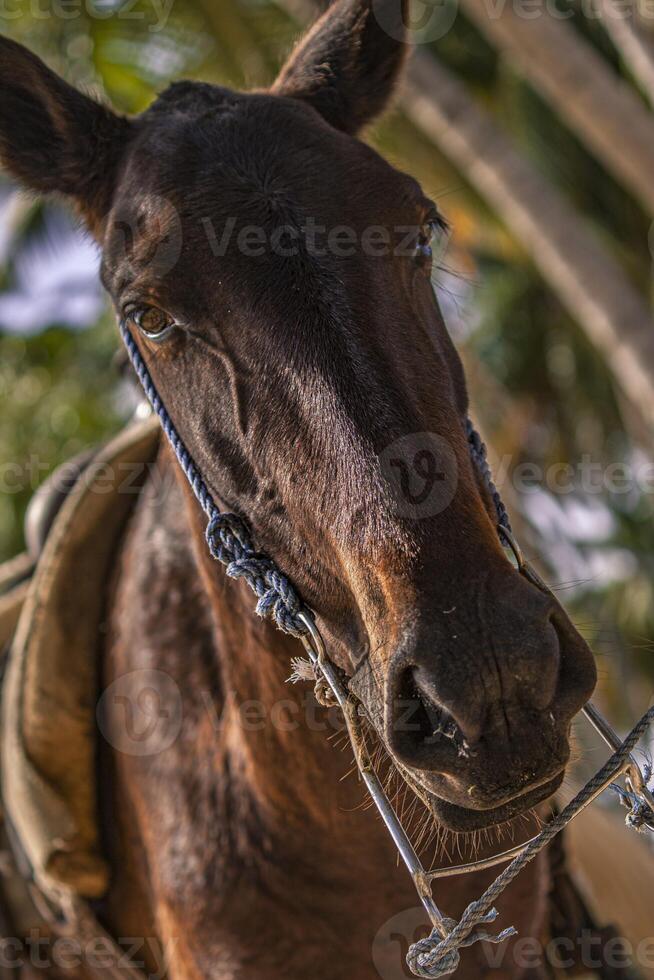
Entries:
{"x":54,"y":138}
{"x":347,"y":65}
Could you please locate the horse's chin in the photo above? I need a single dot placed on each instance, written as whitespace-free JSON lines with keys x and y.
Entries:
{"x":465,"y":820}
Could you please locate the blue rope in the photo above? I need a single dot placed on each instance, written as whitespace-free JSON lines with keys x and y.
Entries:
{"x":230,"y":543}
{"x":479,"y":455}
{"x":227,"y":536}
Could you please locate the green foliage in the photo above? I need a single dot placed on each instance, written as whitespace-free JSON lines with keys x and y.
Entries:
{"x":59,"y":395}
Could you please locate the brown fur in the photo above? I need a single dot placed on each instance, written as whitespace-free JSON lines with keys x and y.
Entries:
{"x":288,"y":377}
{"x":250,"y":851}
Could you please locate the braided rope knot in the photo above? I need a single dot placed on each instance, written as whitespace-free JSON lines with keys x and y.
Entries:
{"x":436,"y":956}
{"x":228,"y":538}
{"x":230,"y":543}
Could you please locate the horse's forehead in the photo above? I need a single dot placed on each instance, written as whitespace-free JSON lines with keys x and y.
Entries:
{"x":203,"y":171}
{"x":210,"y":148}
{"x":241,"y":138}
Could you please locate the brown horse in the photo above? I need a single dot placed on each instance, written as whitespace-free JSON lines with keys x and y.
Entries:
{"x":275,"y":273}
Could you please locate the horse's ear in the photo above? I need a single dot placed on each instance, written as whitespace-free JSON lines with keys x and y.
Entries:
{"x":54,"y":138}
{"x":347,"y":65}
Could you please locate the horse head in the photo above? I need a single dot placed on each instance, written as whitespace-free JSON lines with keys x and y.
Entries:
{"x":275,"y":273}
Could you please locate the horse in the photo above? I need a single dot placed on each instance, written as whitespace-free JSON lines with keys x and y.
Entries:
{"x":274,"y":271}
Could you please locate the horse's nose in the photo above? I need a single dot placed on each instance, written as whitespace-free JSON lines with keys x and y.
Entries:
{"x":442,"y":698}
{"x":422,"y":726}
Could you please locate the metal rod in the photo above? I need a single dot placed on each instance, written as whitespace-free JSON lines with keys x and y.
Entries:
{"x":422,"y":879}
{"x":601,"y":725}
{"x":514,"y":852}
{"x":407,"y":853}
{"x":633,"y":771}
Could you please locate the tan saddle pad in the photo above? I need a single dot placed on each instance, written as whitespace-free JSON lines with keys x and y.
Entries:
{"x":48,"y":725}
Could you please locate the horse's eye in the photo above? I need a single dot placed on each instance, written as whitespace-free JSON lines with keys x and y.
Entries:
{"x":424,"y":250}
{"x":155,"y":324}
{"x":431,"y":232}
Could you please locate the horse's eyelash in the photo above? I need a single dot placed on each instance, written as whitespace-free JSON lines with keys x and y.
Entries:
{"x":438,"y":224}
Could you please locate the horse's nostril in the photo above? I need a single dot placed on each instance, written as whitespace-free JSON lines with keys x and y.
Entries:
{"x":419,"y":721}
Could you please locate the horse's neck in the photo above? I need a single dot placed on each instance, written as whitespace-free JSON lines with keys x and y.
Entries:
{"x":232,"y":802}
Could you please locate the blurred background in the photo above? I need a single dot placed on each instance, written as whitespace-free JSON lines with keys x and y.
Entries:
{"x":534,"y":134}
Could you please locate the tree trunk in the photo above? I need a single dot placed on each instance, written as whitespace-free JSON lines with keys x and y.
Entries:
{"x":630,"y":41}
{"x":597,"y":105}
{"x":582,"y":273}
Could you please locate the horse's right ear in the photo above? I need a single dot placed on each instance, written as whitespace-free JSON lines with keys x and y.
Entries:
{"x":347,"y":65}
{"x":54,"y":138}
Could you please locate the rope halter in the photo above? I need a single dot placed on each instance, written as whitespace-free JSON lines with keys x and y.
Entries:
{"x":230,"y":543}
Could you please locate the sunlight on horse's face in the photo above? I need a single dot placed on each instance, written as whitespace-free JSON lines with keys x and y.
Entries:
{"x":274,"y":273}
{"x":316,"y":386}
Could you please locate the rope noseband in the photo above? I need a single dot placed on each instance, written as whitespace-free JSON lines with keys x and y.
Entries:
{"x":230,"y":543}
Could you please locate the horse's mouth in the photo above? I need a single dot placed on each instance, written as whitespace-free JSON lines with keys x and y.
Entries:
{"x":463,"y":819}
{"x":448,"y":807}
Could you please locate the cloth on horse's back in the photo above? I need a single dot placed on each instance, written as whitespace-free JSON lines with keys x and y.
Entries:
{"x":50,"y":691}
{"x":575,"y":912}
{"x":15,"y":574}
{"x":614,"y":872}
{"x":14,"y":586}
